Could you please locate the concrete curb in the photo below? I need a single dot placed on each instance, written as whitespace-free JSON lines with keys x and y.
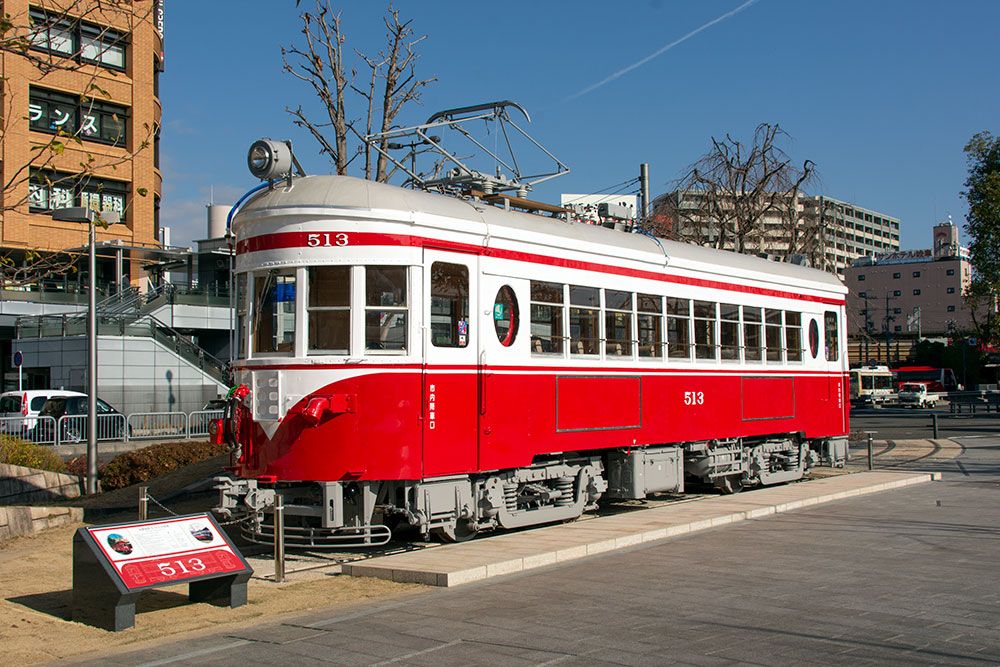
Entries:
{"x":457,"y":564}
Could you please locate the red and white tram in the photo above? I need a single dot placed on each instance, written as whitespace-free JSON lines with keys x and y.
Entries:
{"x":459,"y":367}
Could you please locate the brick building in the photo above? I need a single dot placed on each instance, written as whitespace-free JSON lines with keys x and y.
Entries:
{"x":84,"y":92}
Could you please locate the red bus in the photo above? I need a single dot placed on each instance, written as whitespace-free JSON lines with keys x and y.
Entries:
{"x":936,"y":379}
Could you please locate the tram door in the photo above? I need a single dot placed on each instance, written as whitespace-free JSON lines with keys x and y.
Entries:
{"x":451,"y":343}
{"x":505,"y":402}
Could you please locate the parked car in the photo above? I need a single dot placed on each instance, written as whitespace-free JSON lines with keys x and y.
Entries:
{"x":19,"y":409}
{"x":111,"y":424}
{"x":913,"y":394}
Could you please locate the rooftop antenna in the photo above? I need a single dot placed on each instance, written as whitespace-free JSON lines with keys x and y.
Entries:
{"x":509,"y":185}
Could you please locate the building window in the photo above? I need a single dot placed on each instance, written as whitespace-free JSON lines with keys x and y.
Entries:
{"x":897,"y":311}
{"x":863,"y":295}
{"x":897,"y":293}
{"x":83,"y":42}
{"x":48,"y":191}
{"x":861,"y":278}
{"x":54,"y":112}
{"x":916,"y":274}
{"x":916,"y":292}
{"x":951,"y":290}
{"x":951,"y":309}
{"x":896,"y":275}
{"x":156,"y":218}
{"x":950,"y":272}
{"x":898,"y":328}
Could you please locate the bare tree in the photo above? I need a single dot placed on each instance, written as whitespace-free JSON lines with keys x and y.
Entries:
{"x":53,"y":155}
{"x":740,"y":196}
{"x":389,"y":86}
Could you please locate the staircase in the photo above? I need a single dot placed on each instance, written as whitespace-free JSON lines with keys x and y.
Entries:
{"x":128,"y":314}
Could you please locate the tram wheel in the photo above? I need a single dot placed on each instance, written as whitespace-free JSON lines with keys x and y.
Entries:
{"x":728,"y":485}
{"x":456,"y":532}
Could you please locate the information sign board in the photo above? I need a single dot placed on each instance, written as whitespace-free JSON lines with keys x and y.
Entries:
{"x":167,"y":551}
{"x":112,"y":564}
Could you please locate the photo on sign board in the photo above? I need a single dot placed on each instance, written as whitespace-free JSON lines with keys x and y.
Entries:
{"x":119,"y":543}
{"x":203,"y":534}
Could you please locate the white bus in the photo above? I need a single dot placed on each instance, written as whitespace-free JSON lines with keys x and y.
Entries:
{"x":871,"y":385}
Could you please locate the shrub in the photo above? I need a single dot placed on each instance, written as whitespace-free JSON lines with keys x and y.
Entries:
{"x":148,"y":463}
{"x":22,"y":453}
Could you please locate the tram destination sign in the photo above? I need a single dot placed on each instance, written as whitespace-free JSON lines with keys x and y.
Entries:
{"x":112,"y":564}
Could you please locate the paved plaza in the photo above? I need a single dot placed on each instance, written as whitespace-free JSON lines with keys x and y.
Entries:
{"x":906,"y":576}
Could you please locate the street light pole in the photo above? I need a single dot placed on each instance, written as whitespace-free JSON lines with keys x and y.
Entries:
{"x":92,"y":361}
{"x":90,"y":216}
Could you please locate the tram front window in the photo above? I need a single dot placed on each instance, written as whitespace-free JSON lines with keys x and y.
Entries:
{"x":385,"y":308}
{"x":274,"y":312}
{"x":329,"y":310}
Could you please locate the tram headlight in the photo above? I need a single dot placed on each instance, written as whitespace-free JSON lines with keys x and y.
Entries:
{"x":268,"y":159}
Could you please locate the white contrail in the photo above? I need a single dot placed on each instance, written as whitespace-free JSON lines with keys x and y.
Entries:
{"x":660,"y":51}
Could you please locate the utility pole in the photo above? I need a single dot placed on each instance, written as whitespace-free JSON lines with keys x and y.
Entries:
{"x":644,"y":203}
{"x":868,"y":331}
{"x":888,"y":330}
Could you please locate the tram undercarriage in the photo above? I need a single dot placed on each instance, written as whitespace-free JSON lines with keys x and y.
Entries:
{"x":456,"y":508}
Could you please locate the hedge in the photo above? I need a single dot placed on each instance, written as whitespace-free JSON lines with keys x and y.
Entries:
{"x":22,"y":453}
{"x":150,"y":462}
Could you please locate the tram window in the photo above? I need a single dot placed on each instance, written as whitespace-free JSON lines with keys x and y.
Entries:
{"x":813,"y":338}
{"x":704,"y":330}
{"x":505,"y":315}
{"x":385,"y":308}
{"x":617,"y":323}
{"x":772,"y":334}
{"x":329,"y":309}
{"x":650,"y":320}
{"x":678,"y":336}
{"x":241,"y":315}
{"x":793,"y":336}
{"x":449,"y":305}
{"x":584,"y":320}
{"x":546,"y":318}
{"x":274,"y":312}
{"x":729,"y":331}
{"x":832,"y":336}
{"x":752,"y":339}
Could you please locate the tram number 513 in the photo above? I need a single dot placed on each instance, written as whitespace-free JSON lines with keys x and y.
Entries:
{"x":694,"y":398}
{"x":326,"y":240}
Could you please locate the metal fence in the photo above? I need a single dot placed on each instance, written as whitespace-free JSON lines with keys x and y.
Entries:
{"x":72,"y":429}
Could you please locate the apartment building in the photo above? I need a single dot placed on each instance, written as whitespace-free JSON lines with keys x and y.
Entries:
{"x":828,"y":233}
{"x":80,"y":128}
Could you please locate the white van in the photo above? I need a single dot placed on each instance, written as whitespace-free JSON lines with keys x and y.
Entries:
{"x":19,"y":409}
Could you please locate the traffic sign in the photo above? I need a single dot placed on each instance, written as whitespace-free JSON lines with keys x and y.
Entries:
{"x":18,"y":359}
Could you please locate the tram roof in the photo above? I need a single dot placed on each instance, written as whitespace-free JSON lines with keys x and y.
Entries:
{"x":355,"y":193}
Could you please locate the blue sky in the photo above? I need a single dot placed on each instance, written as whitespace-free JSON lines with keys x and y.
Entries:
{"x":881,"y":95}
